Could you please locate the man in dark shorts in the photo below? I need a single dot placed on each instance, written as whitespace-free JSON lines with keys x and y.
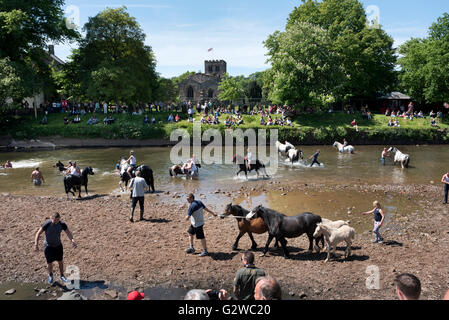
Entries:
{"x":245,"y":278}
{"x":195,"y":214}
{"x":53,"y":249}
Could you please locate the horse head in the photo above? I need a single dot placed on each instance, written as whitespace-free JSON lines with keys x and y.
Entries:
{"x":336,"y":144}
{"x":228,"y":211}
{"x":255,"y":213}
{"x":89,"y":171}
{"x":392,"y":149}
{"x":319,"y":230}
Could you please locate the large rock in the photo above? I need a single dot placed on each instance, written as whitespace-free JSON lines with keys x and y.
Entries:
{"x":72,"y":295}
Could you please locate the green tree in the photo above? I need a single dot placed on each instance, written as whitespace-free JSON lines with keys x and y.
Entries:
{"x":304,"y":67}
{"x":365,"y":53}
{"x":10,"y":83}
{"x":25,"y":29}
{"x":114,"y":62}
{"x":231,"y":88}
{"x":425,"y":64}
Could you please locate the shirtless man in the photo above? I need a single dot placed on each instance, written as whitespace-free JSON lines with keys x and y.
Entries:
{"x":8,"y":164}
{"x":384,"y":155}
{"x":36,"y":177}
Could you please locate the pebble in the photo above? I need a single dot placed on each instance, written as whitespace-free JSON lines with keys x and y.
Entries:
{"x":10,"y":292}
{"x":111,"y":293}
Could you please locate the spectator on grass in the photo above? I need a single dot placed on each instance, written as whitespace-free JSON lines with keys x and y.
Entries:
{"x":354,"y":124}
{"x":146,"y":120}
{"x":433,"y":123}
{"x":390,"y":123}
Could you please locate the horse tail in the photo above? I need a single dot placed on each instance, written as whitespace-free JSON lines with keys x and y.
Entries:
{"x":170,"y":171}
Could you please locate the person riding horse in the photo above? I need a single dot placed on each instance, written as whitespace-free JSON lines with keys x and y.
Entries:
{"x":243,"y":164}
{"x":132,"y":164}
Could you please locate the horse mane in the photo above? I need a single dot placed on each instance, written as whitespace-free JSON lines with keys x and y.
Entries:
{"x":273,"y":216}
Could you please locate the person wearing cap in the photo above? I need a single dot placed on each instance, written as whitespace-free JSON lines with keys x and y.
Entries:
{"x":195,"y":214}
{"x":136,"y":295}
{"x":36,"y":177}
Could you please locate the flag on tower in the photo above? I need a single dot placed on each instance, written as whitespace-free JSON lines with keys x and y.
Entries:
{"x":210,"y":49}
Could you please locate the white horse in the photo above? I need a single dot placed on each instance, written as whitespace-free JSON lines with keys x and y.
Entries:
{"x":402,"y":158}
{"x":295,"y":155}
{"x":339,"y":146}
{"x":284,"y":148}
{"x":124,"y":165}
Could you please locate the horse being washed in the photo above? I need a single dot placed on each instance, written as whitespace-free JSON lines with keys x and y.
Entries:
{"x":256,"y":226}
{"x":341,"y":149}
{"x":147,"y":174}
{"x":281,"y":226}
{"x":254,"y":165}
{"x":178,"y":170}
{"x":72,"y":182}
{"x":402,"y":158}
{"x":284,"y":148}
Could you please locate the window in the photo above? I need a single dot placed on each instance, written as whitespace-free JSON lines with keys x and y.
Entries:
{"x":210,"y":69}
{"x":217,"y":68}
{"x":190,"y":93}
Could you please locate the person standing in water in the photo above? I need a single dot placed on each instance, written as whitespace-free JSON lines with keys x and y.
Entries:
{"x":379,"y":218}
{"x":384,"y":155}
{"x":315,"y":158}
{"x":36,"y":177}
{"x":445,"y":180}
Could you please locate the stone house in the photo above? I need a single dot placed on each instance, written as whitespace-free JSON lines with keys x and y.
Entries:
{"x":202,"y":87}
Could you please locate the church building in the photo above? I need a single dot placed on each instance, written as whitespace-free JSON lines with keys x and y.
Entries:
{"x":202,"y":87}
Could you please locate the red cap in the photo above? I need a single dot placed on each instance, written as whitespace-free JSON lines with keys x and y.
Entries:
{"x":135,"y":295}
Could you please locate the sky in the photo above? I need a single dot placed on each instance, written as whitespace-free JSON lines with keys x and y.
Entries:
{"x":181,"y":32}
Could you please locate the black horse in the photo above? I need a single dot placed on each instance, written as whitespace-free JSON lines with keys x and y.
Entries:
{"x":60,"y":166}
{"x":74,"y":183}
{"x":256,"y":226}
{"x":281,"y":226}
{"x":243,"y":164}
{"x":146,"y":173}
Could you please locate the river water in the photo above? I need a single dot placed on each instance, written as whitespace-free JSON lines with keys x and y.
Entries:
{"x":428,"y":164}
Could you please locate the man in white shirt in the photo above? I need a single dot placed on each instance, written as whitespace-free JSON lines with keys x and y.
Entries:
{"x":138,"y":185}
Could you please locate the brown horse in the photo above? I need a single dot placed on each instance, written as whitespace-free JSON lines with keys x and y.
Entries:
{"x":256,"y":226}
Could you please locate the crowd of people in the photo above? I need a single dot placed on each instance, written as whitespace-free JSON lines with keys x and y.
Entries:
{"x":410,"y":114}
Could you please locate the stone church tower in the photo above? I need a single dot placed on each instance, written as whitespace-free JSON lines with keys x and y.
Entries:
{"x":202,"y":87}
{"x":216,"y":68}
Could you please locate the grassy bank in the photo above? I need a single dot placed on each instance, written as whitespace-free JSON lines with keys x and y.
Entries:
{"x":306,"y":129}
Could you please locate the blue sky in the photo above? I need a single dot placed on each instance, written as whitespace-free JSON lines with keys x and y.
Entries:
{"x":181,"y":32}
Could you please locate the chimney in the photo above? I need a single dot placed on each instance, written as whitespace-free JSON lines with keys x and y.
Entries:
{"x":51,"y":49}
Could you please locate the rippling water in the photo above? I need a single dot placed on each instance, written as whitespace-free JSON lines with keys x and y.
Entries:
{"x":428,"y":163}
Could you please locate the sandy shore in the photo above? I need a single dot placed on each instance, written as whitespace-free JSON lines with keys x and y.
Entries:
{"x":151,"y":253}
